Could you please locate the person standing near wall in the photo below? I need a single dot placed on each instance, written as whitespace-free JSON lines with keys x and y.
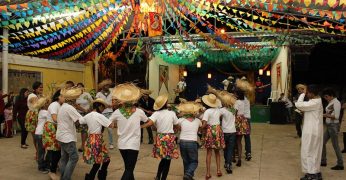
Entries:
{"x":312,"y":134}
{"x":19,"y":111}
{"x":301,"y":88}
{"x":146,"y":103}
{"x":106,"y":95}
{"x":332,"y":115}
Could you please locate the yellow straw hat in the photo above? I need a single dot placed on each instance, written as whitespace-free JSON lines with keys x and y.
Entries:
{"x":211,"y":100}
{"x":100,"y":100}
{"x":126,"y":93}
{"x":182,"y":100}
{"x":160,"y":101}
{"x":189,"y":108}
{"x":146,"y":91}
{"x":104,"y":83}
{"x":71,"y":93}
{"x":227,"y":98}
{"x":245,"y":86}
{"x":40,"y":102}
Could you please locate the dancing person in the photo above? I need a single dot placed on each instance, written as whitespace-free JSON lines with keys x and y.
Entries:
{"x":32,"y":114}
{"x":8,"y":114}
{"x":242,"y":124}
{"x":165,"y":147}
{"x":298,"y":114}
{"x":127,"y":118}
{"x":146,"y":103}
{"x":247,"y":138}
{"x":66,"y":132}
{"x":189,"y":126}
{"x":228,"y":127}
{"x":288,"y":105}
{"x":213,"y":137}
{"x":83,"y":107}
{"x":20,"y":109}
{"x":106,"y":95}
{"x":41,"y":105}
{"x":332,"y":115}
{"x":49,"y":141}
{"x":95,"y":151}
{"x":312,"y":134}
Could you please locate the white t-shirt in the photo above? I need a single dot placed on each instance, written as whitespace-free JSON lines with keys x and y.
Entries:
{"x":95,"y":121}
{"x":189,"y":129}
{"x":181,"y":85}
{"x":108,"y":100}
{"x":42,"y":118}
{"x":247,"y":110}
{"x":67,"y":116}
{"x":239,"y":106}
{"x":30,"y":105}
{"x":129,"y":130}
{"x":164,"y":120}
{"x":228,"y":121}
{"x":333,"y":108}
{"x":53,"y":108}
{"x":84,"y":101}
{"x":212,"y":116}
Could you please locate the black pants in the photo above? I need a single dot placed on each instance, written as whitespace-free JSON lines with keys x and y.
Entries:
{"x":2,"y":119}
{"x":150,"y":133}
{"x":24,"y":132}
{"x":163,"y":169}
{"x":96,"y":167}
{"x":130,"y":160}
{"x":299,"y":119}
{"x":344,"y":139}
{"x":53,"y":158}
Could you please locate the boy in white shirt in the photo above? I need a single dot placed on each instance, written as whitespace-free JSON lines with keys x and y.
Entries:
{"x":66,"y":132}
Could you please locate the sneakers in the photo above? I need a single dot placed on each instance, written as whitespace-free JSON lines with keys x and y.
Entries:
{"x":324,"y":164}
{"x":187,"y":177}
{"x":248,"y":157}
{"x":337,"y":167}
{"x":111,"y":146}
{"x":317,"y":176}
{"x":44,"y":171}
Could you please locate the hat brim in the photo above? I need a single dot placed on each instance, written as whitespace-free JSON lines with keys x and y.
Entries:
{"x":135,"y":93}
{"x":210,"y":104}
{"x":184,"y":110}
{"x":159,"y":106}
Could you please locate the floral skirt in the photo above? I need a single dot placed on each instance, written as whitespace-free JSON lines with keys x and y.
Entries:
{"x":31,"y":121}
{"x":95,"y":150}
{"x":82,"y":128}
{"x":49,"y":137}
{"x":242,"y":125}
{"x":165,"y":146}
{"x":213,"y":138}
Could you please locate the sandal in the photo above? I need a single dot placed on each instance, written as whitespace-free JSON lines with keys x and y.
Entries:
{"x":219,"y":174}
{"x":207,"y":177}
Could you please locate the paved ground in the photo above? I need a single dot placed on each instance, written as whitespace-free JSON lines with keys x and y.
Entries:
{"x":275,"y":157}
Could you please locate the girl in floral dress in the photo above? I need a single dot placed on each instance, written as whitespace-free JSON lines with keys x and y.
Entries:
{"x":213,"y":136}
{"x":165,"y":147}
{"x":95,"y":151}
{"x":49,"y":135}
{"x":241,"y":123}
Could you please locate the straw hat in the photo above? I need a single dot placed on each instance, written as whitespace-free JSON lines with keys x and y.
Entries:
{"x":211,"y":100}
{"x":100,"y":100}
{"x":40,"y":102}
{"x":104,"y":83}
{"x":71,"y":93}
{"x":245,"y":86}
{"x":146,"y":91}
{"x":230,"y":78}
{"x":182,"y":100}
{"x":298,"y":86}
{"x":160,"y":101}
{"x":227,"y":98}
{"x":126,"y":93}
{"x":212,"y":90}
{"x":243,"y":78}
{"x":189,"y":108}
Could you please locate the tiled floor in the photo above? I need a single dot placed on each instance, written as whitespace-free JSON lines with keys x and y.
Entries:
{"x":275,"y":157}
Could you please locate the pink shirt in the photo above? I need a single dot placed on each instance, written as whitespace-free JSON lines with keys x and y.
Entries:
{"x":8,"y":115}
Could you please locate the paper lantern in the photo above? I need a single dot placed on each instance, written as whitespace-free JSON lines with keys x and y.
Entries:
{"x":268,"y":73}
{"x":199,"y":64}
{"x":209,"y":75}
{"x":260,"y":72}
{"x":185,"y":73}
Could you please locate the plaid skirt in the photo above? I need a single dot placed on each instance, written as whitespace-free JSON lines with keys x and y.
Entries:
{"x":49,"y":137}
{"x":165,"y":146}
{"x":95,"y":150}
{"x":242,"y":125}
{"x":31,"y":121}
{"x":213,"y":138}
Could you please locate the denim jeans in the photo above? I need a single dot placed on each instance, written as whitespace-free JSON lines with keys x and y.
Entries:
{"x":42,"y":164}
{"x":110,"y":130}
{"x":332,"y":133}
{"x":228,"y":152}
{"x":69,"y":159}
{"x":248,"y":141}
{"x":189,"y":154}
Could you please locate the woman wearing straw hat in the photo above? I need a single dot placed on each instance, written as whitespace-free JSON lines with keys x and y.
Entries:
{"x":213,"y":136}
{"x":49,"y":141}
{"x":95,"y":151}
{"x":106,"y":95}
{"x":127,"y":118}
{"x":66,"y":132}
{"x":228,"y":126}
{"x":165,"y":147}
{"x":41,"y":105}
{"x":188,"y":137}
{"x":32,"y":114}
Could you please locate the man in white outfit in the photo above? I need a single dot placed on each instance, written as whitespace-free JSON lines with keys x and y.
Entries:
{"x":312,"y":134}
